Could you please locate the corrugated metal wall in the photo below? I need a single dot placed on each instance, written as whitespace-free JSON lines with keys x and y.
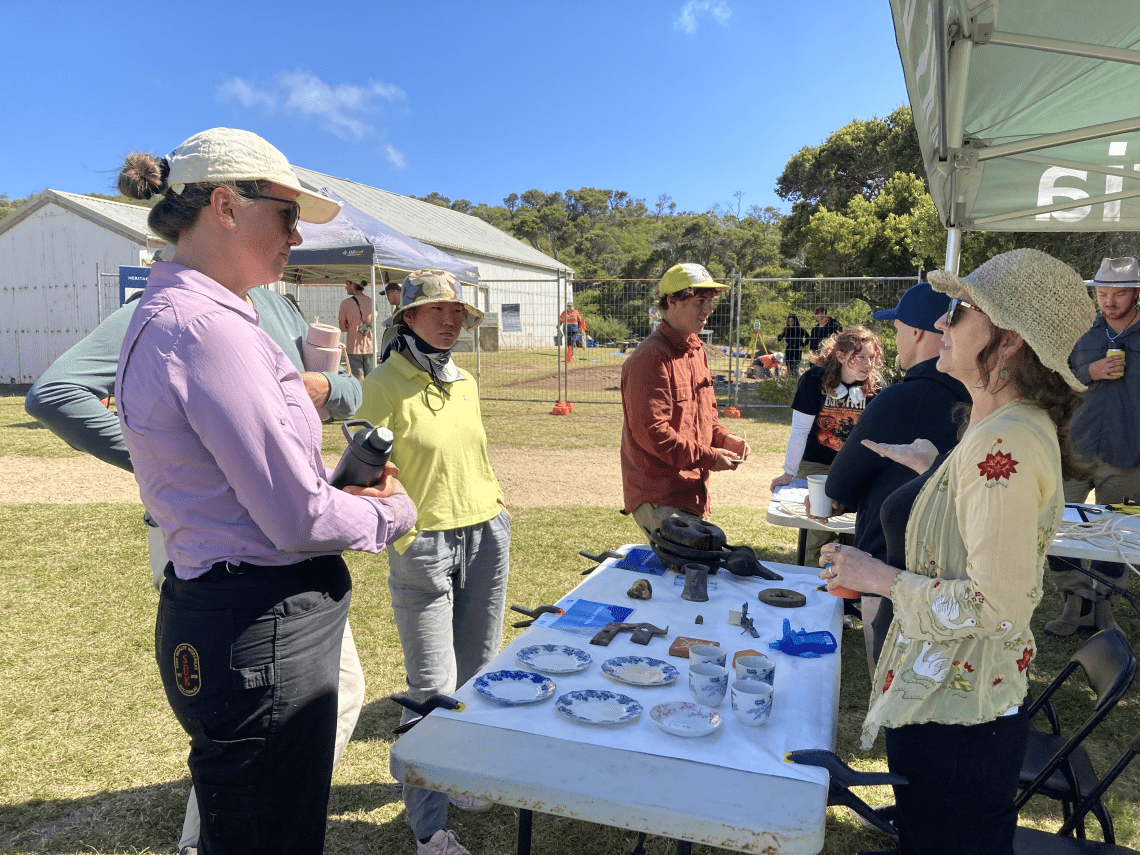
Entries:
{"x":50,"y":296}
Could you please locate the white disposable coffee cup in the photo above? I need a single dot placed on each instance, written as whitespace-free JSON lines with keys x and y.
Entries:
{"x":820,"y":504}
{"x":322,"y":335}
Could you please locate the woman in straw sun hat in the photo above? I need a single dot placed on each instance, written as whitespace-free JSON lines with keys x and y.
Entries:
{"x":225,"y":444}
{"x":967,"y":546}
{"x":448,"y":575}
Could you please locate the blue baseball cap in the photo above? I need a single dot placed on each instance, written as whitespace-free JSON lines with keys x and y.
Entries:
{"x":919,"y":307}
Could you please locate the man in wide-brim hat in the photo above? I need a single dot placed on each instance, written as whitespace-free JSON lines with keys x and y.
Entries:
{"x":1103,"y":432}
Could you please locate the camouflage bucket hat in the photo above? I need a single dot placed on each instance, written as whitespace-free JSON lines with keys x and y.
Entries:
{"x":435,"y":286}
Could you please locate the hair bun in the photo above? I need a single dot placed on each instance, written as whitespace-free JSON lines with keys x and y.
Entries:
{"x":143,"y":176}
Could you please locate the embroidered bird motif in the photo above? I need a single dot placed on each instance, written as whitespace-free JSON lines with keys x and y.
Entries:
{"x":931,"y":664}
{"x":947,"y":609}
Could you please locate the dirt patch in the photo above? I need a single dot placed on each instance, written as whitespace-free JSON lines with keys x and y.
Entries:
{"x":602,"y":377}
{"x":530,"y":477}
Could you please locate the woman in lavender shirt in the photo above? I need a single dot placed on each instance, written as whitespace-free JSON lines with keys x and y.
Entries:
{"x":226,"y":450}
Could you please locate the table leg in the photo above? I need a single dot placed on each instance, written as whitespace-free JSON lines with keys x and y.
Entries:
{"x":684,"y":847}
{"x":526,"y":818}
{"x":801,"y":546}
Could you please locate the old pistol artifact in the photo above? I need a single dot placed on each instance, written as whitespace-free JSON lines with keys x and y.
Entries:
{"x":642,"y":632}
{"x":746,"y":622}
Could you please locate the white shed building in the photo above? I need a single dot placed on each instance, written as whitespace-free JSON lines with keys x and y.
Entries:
{"x":514,"y":272}
{"x":60,"y":255}
{"x":59,"y":261}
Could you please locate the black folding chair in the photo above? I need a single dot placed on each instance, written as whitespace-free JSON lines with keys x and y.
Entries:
{"x":1026,"y":841}
{"x":1059,"y":767}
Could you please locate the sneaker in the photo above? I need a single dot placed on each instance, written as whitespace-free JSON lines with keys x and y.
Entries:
{"x":465,"y":803}
{"x":443,"y":842}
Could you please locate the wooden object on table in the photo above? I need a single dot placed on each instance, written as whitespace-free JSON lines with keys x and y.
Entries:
{"x":682,"y":643}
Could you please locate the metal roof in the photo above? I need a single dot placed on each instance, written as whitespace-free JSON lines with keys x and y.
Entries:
{"x":119,"y":217}
{"x":441,"y":227}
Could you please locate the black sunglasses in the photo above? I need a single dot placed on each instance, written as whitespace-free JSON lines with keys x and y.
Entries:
{"x":291,"y":218}
{"x":953,"y":315}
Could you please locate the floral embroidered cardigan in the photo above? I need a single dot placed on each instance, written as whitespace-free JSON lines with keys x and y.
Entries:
{"x":960,"y":644}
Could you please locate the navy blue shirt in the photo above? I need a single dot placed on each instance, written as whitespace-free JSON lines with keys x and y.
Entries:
{"x":919,"y":407}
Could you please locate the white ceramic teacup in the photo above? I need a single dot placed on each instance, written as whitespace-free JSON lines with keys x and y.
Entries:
{"x":708,"y":683}
{"x":323,"y":335}
{"x":707,"y":653}
{"x":760,"y":668}
{"x":751,"y":702}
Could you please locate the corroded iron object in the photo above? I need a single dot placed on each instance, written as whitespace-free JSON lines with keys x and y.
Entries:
{"x":696,"y":583}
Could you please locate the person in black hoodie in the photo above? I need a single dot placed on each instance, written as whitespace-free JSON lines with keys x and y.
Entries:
{"x":919,"y":407}
{"x":794,"y":338}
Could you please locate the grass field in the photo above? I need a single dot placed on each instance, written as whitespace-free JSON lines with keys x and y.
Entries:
{"x":92,"y":760}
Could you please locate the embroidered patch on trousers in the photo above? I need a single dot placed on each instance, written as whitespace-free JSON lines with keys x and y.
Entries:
{"x":187,"y":673}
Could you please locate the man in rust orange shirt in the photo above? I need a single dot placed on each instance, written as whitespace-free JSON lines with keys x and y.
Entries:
{"x":671,"y":436}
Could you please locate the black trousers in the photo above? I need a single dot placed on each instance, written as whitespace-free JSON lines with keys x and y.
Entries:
{"x":249,"y":659}
{"x":963,"y":780}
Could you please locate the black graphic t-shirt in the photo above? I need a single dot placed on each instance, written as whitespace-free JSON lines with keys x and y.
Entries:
{"x":835,"y":416}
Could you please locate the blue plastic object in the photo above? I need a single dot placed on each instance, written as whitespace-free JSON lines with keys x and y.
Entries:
{"x":807,"y":645}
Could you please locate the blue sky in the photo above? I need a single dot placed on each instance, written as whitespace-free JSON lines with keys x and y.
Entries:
{"x":696,"y":99}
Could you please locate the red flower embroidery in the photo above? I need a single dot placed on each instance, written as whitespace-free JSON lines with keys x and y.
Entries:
{"x":996,"y":681}
{"x":977,"y":597}
{"x":998,"y":466}
{"x":890,"y":679}
{"x":1023,"y":662}
{"x":969,"y":670}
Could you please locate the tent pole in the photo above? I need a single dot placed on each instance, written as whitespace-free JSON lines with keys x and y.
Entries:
{"x":953,"y":249}
{"x":372,"y":320}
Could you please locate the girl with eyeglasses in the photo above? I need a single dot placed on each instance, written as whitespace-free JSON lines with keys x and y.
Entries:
{"x":226,"y":447}
{"x":448,"y":575}
{"x":967,"y":544}
{"x":830,"y":397}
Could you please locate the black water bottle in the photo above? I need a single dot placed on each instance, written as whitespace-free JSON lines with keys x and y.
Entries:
{"x":363,"y":460}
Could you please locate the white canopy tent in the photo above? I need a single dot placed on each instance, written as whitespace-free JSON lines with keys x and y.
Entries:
{"x":1027,"y":111}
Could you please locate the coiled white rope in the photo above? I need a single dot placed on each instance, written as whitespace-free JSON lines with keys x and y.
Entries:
{"x":1107,"y":533}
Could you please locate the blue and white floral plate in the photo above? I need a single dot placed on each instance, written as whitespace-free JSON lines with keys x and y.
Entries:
{"x":640,"y":671}
{"x":515,"y":687}
{"x":594,"y":706}
{"x":684,"y":718}
{"x":555,"y":658}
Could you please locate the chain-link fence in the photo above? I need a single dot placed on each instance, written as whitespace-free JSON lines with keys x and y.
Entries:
{"x":559,"y":363}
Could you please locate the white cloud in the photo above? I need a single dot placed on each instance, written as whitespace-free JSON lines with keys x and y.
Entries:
{"x":687,"y":19}
{"x":247,"y":94}
{"x":342,"y":109}
{"x":395,"y":157}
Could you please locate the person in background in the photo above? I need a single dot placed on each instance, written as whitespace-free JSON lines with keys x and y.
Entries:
{"x":392,"y":295}
{"x":225,"y":445}
{"x":448,"y":574}
{"x":1104,"y":433}
{"x":918,"y":407}
{"x":830,"y":399}
{"x":671,"y":435}
{"x":766,"y":365}
{"x":356,"y":323}
{"x":572,"y":325}
{"x":794,"y":339}
{"x":824,"y":328}
{"x":967,"y":550}
{"x":68,"y":398}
